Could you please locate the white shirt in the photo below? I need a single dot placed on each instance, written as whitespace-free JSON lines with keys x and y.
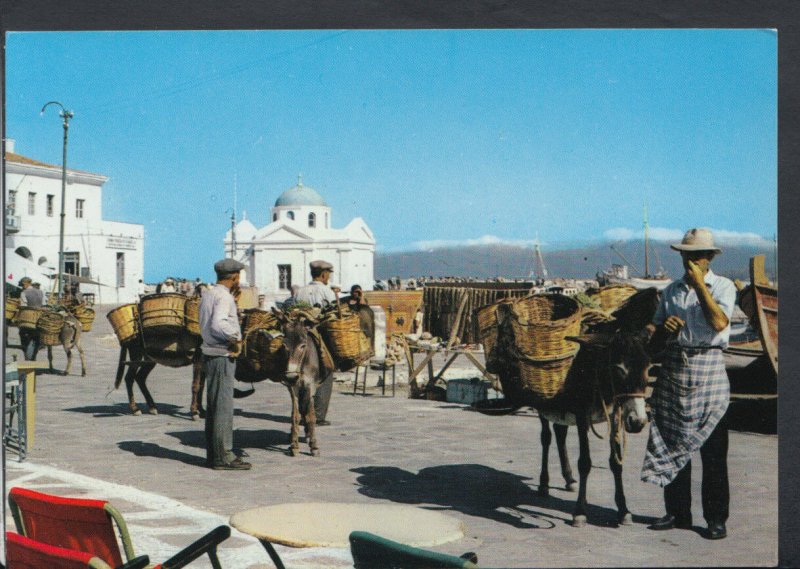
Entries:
{"x":316,"y":293}
{"x":679,"y":299}
{"x":219,"y":321}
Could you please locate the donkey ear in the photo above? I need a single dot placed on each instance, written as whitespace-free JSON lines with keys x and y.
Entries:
{"x":591,"y":340}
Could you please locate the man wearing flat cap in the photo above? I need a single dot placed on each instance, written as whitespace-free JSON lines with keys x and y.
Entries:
{"x":222,"y":336}
{"x":34,"y":298}
{"x":318,"y":293}
{"x":691,"y":395}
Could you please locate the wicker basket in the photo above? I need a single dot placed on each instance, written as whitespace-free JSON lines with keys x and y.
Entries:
{"x":612,"y":297}
{"x":192,"y":315}
{"x":345,"y":340}
{"x":162,"y":313}
{"x":255,"y":318}
{"x":542,"y":322}
{"x":544,"y":380}
{"x":85,"y":316}
{"x":590,"y":318}
{"x":486,"y":319}
{"x":28,"y":316}
{"x":125,"y":322}
{"x":265,"y":354}
{"x":12,"y":306}
{"x":49,"y":326}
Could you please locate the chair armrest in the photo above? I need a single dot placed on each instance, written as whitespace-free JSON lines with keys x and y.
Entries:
{"x":136,"y":563}
{"x":206,"y":544}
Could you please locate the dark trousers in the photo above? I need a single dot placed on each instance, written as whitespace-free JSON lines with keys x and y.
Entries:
{"x":715,"y":490}
{"x":322,"y":397}
{"x":219,"y":372}
{"x":30,"y":343}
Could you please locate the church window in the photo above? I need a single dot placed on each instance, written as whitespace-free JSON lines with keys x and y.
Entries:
{"x":312,"y":220}
{"x":290,"y":214}
{"x":284,"y":277}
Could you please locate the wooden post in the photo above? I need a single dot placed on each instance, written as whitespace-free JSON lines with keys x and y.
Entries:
{"x":456,"y":324}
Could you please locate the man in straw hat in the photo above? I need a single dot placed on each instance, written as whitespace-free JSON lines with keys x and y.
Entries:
{"x":222,"y":337}
{"x":34,"y":298}
{"x":691,"y":395}
{"x":318,"y":293}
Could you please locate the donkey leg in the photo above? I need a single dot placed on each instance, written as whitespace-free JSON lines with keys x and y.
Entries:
{"x":49,"y":357}
{"x":129,"y":378}
{"x":141,"y":381}
{"x":198,"y":383}
{"x":311,"y":422}
{"x":68,"y":351}
{"x":294,"y":448}
{"x":544,"y":475}
{"x":584,"y":466}
{"x":566,"y":469}
{"x":624,"y":516}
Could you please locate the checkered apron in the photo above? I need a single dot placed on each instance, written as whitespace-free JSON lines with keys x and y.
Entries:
{"x":689,"y":399}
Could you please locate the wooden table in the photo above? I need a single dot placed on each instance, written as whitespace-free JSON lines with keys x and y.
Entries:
{"x":450,"y":356}
{"x":329,"y":524}
{"x":20,"y":392}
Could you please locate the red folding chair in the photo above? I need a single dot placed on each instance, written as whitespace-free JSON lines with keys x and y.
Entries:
{"x":25,"y":553}
{"x":91,"y":526}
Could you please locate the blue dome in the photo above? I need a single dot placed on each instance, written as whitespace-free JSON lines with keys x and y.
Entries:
{"x":300,"y":195}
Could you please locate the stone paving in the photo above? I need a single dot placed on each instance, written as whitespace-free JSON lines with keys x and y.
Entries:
{"x":480,"y":469}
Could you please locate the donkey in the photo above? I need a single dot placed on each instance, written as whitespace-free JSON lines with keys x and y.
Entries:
{"x":606,"y":381}
{"x":305,"y":371}
{"x":69,"y":337}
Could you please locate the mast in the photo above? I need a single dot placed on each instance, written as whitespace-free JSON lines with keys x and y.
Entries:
{"x":646,"y":247}
{"x":541,"y":271}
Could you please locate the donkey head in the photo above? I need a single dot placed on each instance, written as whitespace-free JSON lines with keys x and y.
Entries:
{"x":623,"y":363}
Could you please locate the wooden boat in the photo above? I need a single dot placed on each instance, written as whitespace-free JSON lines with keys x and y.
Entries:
{"x":760,"y":302}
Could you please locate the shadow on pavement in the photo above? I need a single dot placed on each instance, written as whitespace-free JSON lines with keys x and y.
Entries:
{"x":141,"y":448}
{"x":265,"y":416}
{"x":267,"y":439}
{"x":476,"y":490}
{"x":119,"y":409}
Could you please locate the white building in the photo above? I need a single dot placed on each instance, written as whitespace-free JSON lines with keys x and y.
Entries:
{"x":108,"y":252}
{"x":278,"y":254}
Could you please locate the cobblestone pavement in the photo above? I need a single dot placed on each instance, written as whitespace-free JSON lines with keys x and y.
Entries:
{"x":480,"y":469}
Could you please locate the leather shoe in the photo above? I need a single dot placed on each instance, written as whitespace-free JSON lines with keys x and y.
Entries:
{"x":670,"y":522}
{"x":717,"y":531}
{"x":235,"y":464}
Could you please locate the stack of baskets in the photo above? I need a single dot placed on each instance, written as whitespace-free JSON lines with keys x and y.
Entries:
{"x":12,"y":306}
{"x":49,"y":326}
{"x":263,"y":355}
{"x":348,"y":345}
{"x":85,"y":316}
{"x":540,"y":324}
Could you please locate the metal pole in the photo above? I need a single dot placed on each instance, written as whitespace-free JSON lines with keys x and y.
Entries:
{"x":66,"y":115}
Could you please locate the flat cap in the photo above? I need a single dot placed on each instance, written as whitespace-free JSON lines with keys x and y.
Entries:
{"x":25,"y":280}
{"x":228,"y":266}
{"x":321,"y":265}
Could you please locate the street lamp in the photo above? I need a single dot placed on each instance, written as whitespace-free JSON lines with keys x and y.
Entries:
{"x":66,"y":115}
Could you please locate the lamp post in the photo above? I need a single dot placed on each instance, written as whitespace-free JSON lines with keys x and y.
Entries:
{"x":66,"y":115}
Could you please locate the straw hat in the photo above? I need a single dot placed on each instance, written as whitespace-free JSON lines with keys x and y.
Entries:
{"x":698,"y":239}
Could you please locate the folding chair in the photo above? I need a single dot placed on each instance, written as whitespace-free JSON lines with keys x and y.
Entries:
{"x":372,"y":551}
{"x":25,"y":553}
{"x":89,"y":526}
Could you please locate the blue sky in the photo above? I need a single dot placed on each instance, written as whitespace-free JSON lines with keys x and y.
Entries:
{"x":433,"y":137}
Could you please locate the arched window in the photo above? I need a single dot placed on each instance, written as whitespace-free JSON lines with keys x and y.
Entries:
{"x":290,"y":214}
{"x":42,"y":260}
{"x":275,"y":216}
{"x":312,"y":219}
{"x":24,"y":252}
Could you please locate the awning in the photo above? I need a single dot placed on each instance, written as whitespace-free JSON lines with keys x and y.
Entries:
{"x":17,"y":266}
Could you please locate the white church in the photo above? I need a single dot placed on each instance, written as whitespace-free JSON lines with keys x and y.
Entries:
{"x":277,"y":255}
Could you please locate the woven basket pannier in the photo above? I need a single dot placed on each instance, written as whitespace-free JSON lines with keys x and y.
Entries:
{"x":85,"y":316}
{"x":544,"y":379}
{"x":612,"y":297}
{"x":125,"y":322}
{"x":542,"y":322}
{"x":348,"y":345}
{"x":49,"y":326}
{"x":162,"y":313}
{"x":486,"y":319}
{"x":192,"y":315}
{"x":28,"y":316}
{"x":12,"y":306}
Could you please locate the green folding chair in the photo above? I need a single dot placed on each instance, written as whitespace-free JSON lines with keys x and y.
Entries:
{"x":372,"y":551}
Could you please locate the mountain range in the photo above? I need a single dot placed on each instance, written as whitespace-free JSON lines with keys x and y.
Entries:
{"x":578,"y":262}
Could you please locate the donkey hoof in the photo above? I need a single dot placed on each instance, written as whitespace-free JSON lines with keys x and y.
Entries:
{"x":572,"y":486}
{"x":64,"y":373}
{"x":543,"y":492}
{"x":293,"y":451}
{"x":83,"y":374}
{"x":626,"y":519}
{"x":153,"y":411}
{"x":137,"y":412}
{"x":314,"y":452}
{"x":578,"y":521}
{"x":195,"y":416}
